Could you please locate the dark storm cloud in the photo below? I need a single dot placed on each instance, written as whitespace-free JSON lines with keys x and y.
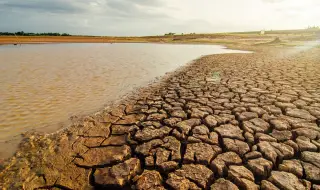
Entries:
{"x":116,"y":9}
{"x":122,"y":7}
{"x":54,"y":6}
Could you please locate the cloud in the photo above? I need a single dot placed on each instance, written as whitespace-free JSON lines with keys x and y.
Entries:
{"x":114,"y":8}
{"x":143,"y":9}
{"x":55,"y":6}
{"x":153,"y":3}
{"x":272,"y":1}
{"x":153,"y":17}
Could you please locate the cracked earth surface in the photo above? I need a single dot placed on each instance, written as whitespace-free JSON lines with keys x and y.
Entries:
{"x":257,"y":127}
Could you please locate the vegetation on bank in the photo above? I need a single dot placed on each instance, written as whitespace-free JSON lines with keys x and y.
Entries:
{"x":21,"y":33}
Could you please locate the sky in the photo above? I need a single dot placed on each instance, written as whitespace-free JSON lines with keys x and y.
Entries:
{"x":155,"y":17}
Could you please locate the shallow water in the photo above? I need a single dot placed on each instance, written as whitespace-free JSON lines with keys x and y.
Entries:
{"x":43,"y":85}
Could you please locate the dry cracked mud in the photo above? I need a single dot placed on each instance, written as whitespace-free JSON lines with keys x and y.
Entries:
{"x":256,"y":126}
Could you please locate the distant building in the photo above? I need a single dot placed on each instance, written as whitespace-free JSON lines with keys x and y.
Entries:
{"x":262,"y":32}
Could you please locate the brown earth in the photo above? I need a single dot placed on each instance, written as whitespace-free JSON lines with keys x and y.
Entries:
{"x":231,"y":121}
{"x":65,"y":39}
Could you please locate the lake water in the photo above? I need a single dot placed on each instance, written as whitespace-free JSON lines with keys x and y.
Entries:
{"x":43,"y":85}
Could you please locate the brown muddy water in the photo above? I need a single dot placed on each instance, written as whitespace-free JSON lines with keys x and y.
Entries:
{"x":43,"y":85}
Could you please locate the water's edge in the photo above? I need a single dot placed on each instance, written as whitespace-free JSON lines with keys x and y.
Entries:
{"x":106,"y":106}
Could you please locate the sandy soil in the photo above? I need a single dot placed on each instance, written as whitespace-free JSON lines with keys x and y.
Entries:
{"x":233,"y":121}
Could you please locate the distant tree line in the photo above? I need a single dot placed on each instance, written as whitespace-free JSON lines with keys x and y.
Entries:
{"x":21,"y":33}
{"x":172,"y":34}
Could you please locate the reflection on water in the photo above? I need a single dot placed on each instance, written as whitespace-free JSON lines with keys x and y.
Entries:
{"x":42,"y":85}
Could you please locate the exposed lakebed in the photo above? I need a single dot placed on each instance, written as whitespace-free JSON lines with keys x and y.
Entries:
{"x":43,"y":85}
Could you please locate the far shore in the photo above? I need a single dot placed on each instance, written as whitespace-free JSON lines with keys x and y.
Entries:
{"x":288,"y":37}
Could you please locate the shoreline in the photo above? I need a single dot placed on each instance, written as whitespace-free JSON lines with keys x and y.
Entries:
{"x":124,"y":127}
{"x":124,"y":42}
{"x":61,"y":125}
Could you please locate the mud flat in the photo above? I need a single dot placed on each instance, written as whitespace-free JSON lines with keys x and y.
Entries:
{"x":231,"y":121}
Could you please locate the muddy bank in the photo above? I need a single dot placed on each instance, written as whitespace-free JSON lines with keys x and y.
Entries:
{"x":229,"y":121}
